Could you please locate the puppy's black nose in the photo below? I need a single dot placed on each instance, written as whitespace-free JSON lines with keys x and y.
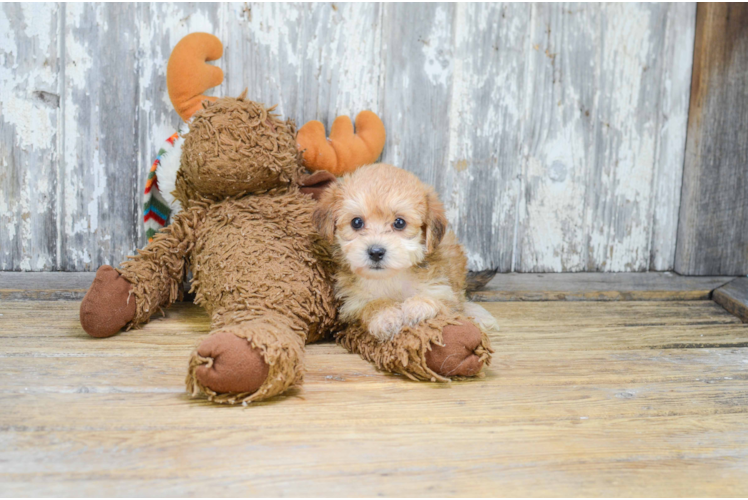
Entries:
{"x":376,"y":253}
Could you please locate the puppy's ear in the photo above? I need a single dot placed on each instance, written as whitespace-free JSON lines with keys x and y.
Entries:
{"x":436,"y":222}
{"x":323,"y":217}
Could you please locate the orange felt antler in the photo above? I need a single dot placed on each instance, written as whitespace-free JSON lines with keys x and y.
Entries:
{"x":344,"y":151}
{"x":188,"y":75}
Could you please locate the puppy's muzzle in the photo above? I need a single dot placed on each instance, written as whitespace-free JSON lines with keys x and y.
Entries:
{"x":376,"y":253}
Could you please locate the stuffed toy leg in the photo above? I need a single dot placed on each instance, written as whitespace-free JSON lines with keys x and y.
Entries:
{"x":435,"y":350}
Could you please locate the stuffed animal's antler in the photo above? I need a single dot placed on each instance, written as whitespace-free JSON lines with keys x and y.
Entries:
{"x":188,"y":75}
{"x":344,"y":151}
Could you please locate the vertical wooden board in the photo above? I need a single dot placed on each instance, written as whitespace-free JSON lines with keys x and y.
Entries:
{"x":558,"y":137}
{"x":674,"y":88}
{"x":417,"y":60}
{"x":100,"y":206}
{"x":29,"y":113}
{"x":592,"y":135}
{"x":713,"y":225}
{"x":479,"y":183}
{"x":626,"y":127}
{"x":161,"y":26}
{"x":315,"y":61}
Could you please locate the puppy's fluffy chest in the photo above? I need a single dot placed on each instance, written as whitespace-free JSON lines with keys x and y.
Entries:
{"x":398,"y":288}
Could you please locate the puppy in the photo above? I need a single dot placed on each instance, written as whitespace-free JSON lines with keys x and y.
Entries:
{"x":398,"y":264}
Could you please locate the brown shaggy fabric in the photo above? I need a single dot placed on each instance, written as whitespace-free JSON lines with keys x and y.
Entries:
{"x":282,"y":351}
{"x":233,"y":364}
{"x":456,"y":357}
{"x":407,"y":353}
{"x":158,"y":270}
{"x":258,"y":266}
{"x":236,"y":146}
{"x":107,"y":306}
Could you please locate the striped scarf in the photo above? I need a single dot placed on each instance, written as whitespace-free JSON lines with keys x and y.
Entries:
{"x":156,"y":210}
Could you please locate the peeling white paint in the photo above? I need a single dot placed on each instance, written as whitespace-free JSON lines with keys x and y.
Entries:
{"x":543,"y":130}
{"x":438,"y":57}
{"x":34,"y":126}
{"x":8,"y":45}
{"x":28,"y":119}
{"x":42,"y":263}
{"x":33,"y":121}
{"x":25,"y":264}
{"x":38,"y":22}
{"x":78,"y":60}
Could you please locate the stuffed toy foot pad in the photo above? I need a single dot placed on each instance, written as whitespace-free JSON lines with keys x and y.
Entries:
{"x":107,"y":307}
{"x":435,"y":350}
{"x":456,"y":357}
{"x":247,"y":361}
{"x":234,"y":365}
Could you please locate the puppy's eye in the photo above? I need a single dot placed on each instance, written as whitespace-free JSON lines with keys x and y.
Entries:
{"x":399,"y":224}
{"x":357,"y":223}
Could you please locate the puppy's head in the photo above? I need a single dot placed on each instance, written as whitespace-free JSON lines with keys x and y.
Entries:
{"x":383,"y":219}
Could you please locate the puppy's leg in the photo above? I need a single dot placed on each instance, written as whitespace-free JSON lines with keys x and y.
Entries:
{"x":482,"y":318}
{"x":383,"y":318}
{"x":420,"y":308}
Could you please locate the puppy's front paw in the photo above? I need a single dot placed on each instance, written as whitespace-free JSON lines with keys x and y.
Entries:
{"x":386,"y":323}
{"x":417,"y":309}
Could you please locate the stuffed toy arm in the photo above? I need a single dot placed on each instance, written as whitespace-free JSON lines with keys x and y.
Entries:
{"x":127,"y":297}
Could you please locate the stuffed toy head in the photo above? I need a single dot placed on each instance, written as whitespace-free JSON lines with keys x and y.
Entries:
{"x":234,"y":146}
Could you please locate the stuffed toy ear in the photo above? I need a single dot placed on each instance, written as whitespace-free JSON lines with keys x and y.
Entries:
{"x":316,"y":183}
{"x":345,"y":151}
{"x":188,"y":75}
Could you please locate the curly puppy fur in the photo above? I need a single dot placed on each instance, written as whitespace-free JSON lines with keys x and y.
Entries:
{"x":398,"y":266}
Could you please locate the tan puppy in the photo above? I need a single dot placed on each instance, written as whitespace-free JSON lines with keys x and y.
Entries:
{"x":397,"y":263}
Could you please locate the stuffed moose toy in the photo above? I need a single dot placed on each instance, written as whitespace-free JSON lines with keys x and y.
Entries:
{"x":258,"y":267}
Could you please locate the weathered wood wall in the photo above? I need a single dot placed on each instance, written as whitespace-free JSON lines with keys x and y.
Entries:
{"x":713,"y":232}
{"x":555,"y":134}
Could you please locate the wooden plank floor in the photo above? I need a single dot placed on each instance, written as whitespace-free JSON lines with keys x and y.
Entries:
{"x":583,"y":399}
{"x":502,"y":287}
{"x":597,"y":286}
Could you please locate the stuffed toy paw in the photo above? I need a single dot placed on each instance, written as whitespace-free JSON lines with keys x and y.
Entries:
{"x":458,"y":354}
{"x":435,"y":350}
{"x":228,"y":363}
{"x":107,"y":307}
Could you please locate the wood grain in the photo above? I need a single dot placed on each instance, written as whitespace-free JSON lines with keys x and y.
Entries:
{"x":101,"y":208}
{"x":553,"y":133}
{"x":44,"y":286}
{"x":713,"y":229}
{"x":598,"y":286}
{"x":590,"y":162}
{"x":480,"y":179}
{"x":487,"y":286}
{"x":734,"y":297}
{"x":30,"y":68}
{"x":583,"y":399}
